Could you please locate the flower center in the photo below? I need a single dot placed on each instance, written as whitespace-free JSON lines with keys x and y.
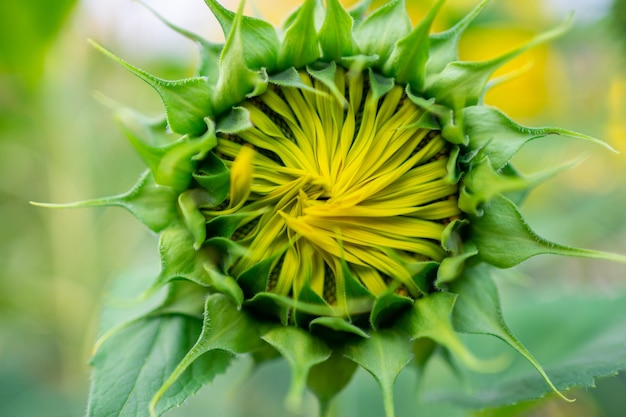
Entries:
{"x":333,"y":190}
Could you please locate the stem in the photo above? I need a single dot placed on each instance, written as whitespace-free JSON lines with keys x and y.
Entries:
{"x":388,"y":400}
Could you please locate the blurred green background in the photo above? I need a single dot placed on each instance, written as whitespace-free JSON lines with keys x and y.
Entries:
{"x":58,"y":143}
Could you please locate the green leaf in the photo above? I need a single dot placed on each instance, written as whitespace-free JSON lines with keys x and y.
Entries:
{"x":407,"y":63}
{"x":187,"y":102}
{"x":300,"y":46}
{"x":504,"y":239}
{"x":493,"y":134}
{"x":384,"y":355}
{"x":258,"y":37}
{"x":152,"y":204}
{"x":302,"y":351}
{"x":335,"y":36}
{"x":381,"y":30}
{"x":130,"y":367}
{"x":225,"y":329}
{"x":237,"y":120}
{"x":577,"y":339}
{"x":478,"y":311}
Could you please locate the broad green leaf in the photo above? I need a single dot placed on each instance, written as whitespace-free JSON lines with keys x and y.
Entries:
{"x":381,"y":30}
{"x":302,"y":351}
{"x":493,"y":134}
{"x":577,"y":339}
{"x":384,"y":355}
{"x":503,"y":238}
{"x":407,"y":63}
{"x":152,"y":204}
{"x":225,"y":330}
{"x":328,"y":378}
{"x":130,"y":367}
{"x":335,"y":35}
{"x":478,"y":311}
{"x":258,"y":37}
{"x":187,"y":102}
{"x":300,"y":46}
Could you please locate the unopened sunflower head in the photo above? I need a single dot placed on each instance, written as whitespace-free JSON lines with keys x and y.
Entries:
{"x":336,"y":187}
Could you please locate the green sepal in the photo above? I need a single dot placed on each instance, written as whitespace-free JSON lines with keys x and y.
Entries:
{"x":235,"y":121}
{"x":225,"y":329}
{"x":237,"y":81}
{"x":226,"y":225}
{"x":258,"y":37}
{"x":187,"y":102}
{"x":179,"y":259}
{"x":483,"y":182}
{"x":449,"y":121}
{"x":152,"y":204}
{"x":255,"y":279}
{"x":359,"y":10}
{"x":171,"y":164}
{"x":209,"y":51}
{"x":504,"y":239}
{"x":184,"y":298}
{"x":384,"y":355}
{"x":388,"y":306}
{"x":478,"y":311}
{"x":431,"y":317}
{"x":307,"y":295}
{"x":189,"y":202}
{"x":461,"y":84}
{"x":300,"y":46}
{"x":335,"y":36}
{"x":291,"y":78}
{"x":460,"y":251}
{"x":129,"y":368}
{"x":326,"y":75}
{"x":302,"y":351}
{"x":224,"y":284}
{"x":328,"y":378}
{"x":213,"y":175}
{"x":381,"y":30}
{"x":493,"y":134}
{"x":444,"y":45}
{"x":380,"y":85}
{"x":407,"y":63}
{"x":336,"y":325}
{"x":452,"y":266}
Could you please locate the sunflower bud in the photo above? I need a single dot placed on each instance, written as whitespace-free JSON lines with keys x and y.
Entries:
{"x":336,"y":193}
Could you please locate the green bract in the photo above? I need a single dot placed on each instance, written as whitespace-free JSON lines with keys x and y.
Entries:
{"x":333,"y":192}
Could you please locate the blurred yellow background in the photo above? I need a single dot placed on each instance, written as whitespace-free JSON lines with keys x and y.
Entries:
{"x":58,"y":143}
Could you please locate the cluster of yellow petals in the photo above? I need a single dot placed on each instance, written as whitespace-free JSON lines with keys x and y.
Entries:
{"x":329,"y":186}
